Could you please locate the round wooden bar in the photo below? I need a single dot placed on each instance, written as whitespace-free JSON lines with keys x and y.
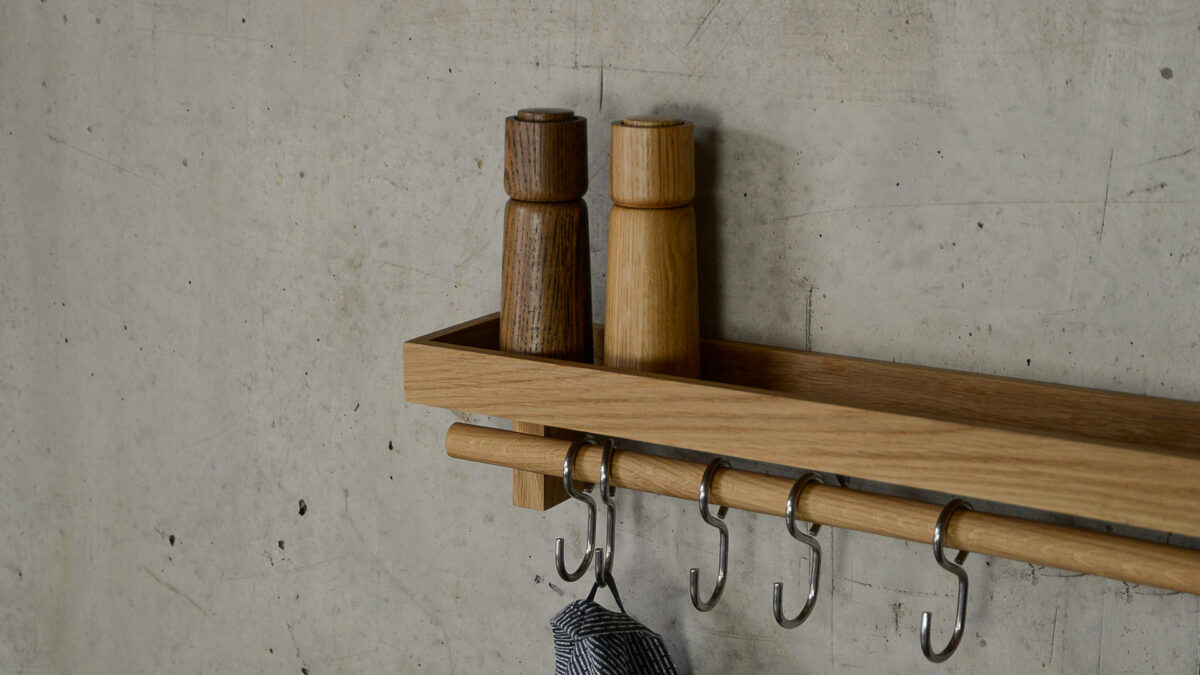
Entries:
{"x":1068,"y":548}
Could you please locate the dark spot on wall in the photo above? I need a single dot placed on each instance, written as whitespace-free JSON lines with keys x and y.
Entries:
{"x":302,"y":174}
{"x":303,"y":507}
{"x":390,"y":446}
{"x":97,"y":21}
{"x":280,"y":544}
{"x":171,"y":539}
{"x":356,"y":406}
{"x":185,"y":161}
{"x":1027,"y":361}
{"x":243,"y":19}
{"x":64,"y":18}
{"x":1166,"y":73}
{"x":304,"y":671}
{"x":980,"y":225}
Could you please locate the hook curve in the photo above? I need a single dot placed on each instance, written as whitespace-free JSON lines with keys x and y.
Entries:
{"x":960,"y":617}
{"x":810,"y":539}
{"x":694,"y":574}
{"x":604,"y":556}
{"x":568,"y":463}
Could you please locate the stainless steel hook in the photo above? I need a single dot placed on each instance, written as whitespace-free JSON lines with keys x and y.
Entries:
{"x":718,"y":522}
{"x":604,"y":556}
{"x":568,"y":462}
{"x":809,"y":538}
{"x":960,"y":618}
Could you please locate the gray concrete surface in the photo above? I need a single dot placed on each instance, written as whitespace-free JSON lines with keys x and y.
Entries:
{"x":219,"y":221}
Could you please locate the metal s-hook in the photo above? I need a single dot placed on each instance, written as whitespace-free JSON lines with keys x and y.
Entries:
{"x":939,"y":532}
{"x":604,"y":556}
{"x":718,"y":522}
{"x":568,"y":463}
{"x":809,"y":538}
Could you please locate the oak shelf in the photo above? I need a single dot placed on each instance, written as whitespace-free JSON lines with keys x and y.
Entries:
{"x":1121,"y":458}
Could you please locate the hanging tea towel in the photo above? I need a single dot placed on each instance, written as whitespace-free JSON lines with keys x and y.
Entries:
{"x":590,"y":640}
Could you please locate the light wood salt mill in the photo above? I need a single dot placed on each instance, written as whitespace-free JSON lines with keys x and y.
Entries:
{"x":652,"y":308}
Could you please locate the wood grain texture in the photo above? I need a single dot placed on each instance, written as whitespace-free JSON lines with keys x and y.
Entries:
{"x":1042,"y":407}
{"x":1135,"y":485}
{"x":652,"y":311}
{"x":546,"y":304}
{"x":533,"y":490}
{"x":545,"y":114}
{"x":545,"y":307}
{"x":1066,"y":548}
{"x":545,"y":291}
{"x":545,"y":157}
{"x":652,"y":163}
{"x":954,"y":395}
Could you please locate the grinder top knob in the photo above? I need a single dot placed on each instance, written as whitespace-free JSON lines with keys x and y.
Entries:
{"x":653,"y":162}
{"x":545,"y":155}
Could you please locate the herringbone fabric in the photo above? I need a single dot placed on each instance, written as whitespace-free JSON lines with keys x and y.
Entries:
{"x":589,"y":640}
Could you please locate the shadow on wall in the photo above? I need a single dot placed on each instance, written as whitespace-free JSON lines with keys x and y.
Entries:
{"x":745,"y":267}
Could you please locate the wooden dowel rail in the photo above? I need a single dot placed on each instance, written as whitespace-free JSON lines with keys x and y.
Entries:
{"x":1067,"y":548}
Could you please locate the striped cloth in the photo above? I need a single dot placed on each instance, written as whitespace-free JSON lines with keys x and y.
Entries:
{"x":589,"y":639}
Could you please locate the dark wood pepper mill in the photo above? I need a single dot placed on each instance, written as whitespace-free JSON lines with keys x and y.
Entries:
{"x":546,"y":295}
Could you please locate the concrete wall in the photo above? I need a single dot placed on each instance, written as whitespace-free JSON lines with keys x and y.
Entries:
{"x":219,"y":221}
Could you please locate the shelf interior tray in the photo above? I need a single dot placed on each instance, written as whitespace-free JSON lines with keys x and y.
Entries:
{"x":1116,"y":457}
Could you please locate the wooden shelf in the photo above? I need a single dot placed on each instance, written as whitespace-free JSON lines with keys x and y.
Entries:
{"x":1120,"y":458}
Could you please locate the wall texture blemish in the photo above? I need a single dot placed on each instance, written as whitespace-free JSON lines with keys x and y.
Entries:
{"x":220,"y":221}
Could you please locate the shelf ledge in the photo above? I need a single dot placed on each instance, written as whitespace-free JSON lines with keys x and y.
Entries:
{"x":1121,"y":458}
